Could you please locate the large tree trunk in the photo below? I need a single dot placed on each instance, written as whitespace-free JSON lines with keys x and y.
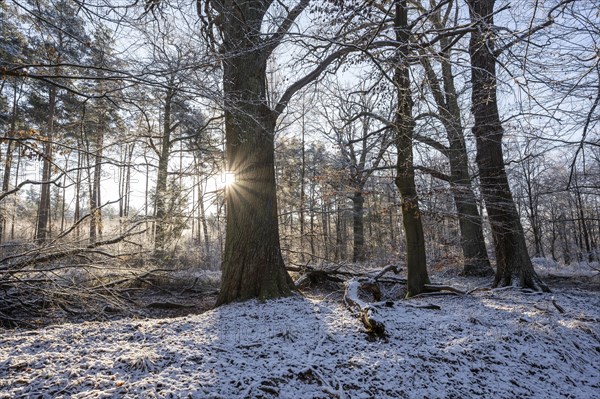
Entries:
{"x":513,"y":265}
{"x":252,"y":262}
{"x":475,"y":256}
{"x":476,"y":260}
{"x":405,"y":179}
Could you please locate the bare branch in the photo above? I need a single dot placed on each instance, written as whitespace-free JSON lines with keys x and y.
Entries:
{"x":277,"y":37}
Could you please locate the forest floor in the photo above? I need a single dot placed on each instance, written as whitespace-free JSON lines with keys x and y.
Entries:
{"x":502,"y":343}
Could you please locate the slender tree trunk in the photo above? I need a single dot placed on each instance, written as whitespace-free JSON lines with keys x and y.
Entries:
{"x":325,"y":220}
{"x":147,"y":196}
{"x":533,"y":212}
{"x":562,"y":232}
{"x":196,"y":189}
{"x":391,"y":208}
{"x":128,"y":179}
{"x":77,"y":212}
{"x":343,"y":235}
{"x":405,"y":178}
{"x":313,"y":201}
{"x":8,"y":161}
{"x":160,"y":214}
{"x":121,"y":184}
{"x":338,"y":232}
{"x":13,"y":219}
{"x":513,"y":265}
{"x":554,"y":233}
{"x":95,"y":211}
{"x":203,"y":220}
{"x":43,"y":221}
{"x":302,"y":188}
{"x":220,"y":227}
{"x":63,"y":209}
{"x":584,"y":232}
{"x":5,"y":186}
{"x":358,"y":229}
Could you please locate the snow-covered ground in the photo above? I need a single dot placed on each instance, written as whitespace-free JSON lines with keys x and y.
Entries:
{"x":489,"y":344}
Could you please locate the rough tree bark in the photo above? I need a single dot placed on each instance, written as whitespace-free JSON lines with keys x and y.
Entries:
{"x":513,"y":265}
{"x":476,"y":260}
{"x":252,"y":262}
{"x":405,"y":178}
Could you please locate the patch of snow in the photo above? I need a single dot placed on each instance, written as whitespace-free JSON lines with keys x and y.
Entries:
{"x":549,"y":266}
{"x":490,"y":344}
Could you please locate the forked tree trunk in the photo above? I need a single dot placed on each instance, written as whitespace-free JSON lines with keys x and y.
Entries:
{"x":475,"y":256}
{"x":513,"y":265}
{"x":405,"y":178}
{"x":252,"y":266}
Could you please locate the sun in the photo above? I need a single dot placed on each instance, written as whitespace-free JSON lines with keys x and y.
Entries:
{"x":228,"y":178}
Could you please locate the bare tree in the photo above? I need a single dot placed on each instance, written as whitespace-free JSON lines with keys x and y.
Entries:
{"x":363,"y":142}
{"x":252,"y":262}
{"x":416,"y":260}
{"x":513,"y":265}
{"x":445,"y":97}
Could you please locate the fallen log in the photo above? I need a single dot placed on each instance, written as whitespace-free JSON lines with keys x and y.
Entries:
{"x":168,"y":305}
{"x":367,"y":312}
{"x":313,"y":275}
{"x":431,"y":288}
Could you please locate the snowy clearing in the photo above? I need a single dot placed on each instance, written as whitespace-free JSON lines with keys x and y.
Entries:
{"x":492,"y":344}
